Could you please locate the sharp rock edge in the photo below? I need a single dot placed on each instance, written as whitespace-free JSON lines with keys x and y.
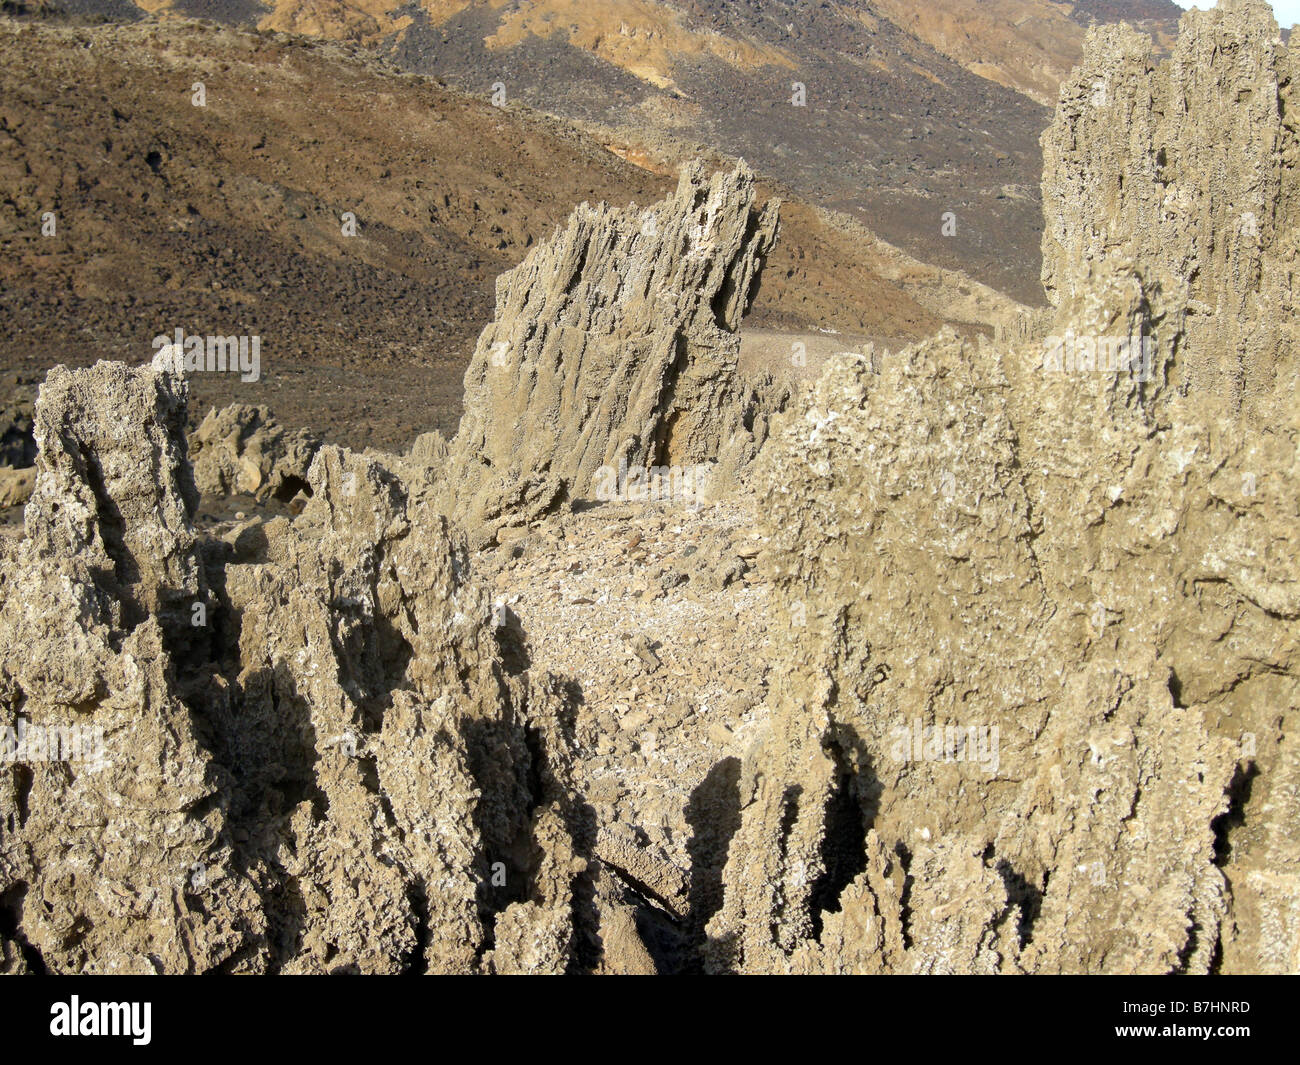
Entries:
{"x":339,"y":773}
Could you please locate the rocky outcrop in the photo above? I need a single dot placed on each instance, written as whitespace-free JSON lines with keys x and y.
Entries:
{"x":614,"y":346}
{"x":340,"y":773}
{"x":106,"y":778}
{"x":930,"y":627}
{"x":115,"y":488}
{"x":245,"y":449}
{"x":1029,"y":708}
{"x":1177,"y":180}
{"x":1072,"y":565}
{"x":302,"y":753}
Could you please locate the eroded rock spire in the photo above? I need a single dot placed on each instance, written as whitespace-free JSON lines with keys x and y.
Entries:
{"x":614,"y":342}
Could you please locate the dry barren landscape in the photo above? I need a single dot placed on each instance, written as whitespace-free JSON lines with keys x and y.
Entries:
{"x":613,"y":528}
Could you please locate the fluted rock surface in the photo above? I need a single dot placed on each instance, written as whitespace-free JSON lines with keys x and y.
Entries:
{"x":1078,"y":568}
{"x":615,"y":342}
{"x":306,"y":754}
{"x":1180,"y":177}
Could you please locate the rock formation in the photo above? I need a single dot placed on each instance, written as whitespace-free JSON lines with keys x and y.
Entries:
{"x":615,"y":343}
{"x":1082,"y":557}
{"x":310,"y":757}
{"x":245,"y":449}
{"x":1177,"y":181}
{"x":1032,"y":704}
{"x":99,"y":855}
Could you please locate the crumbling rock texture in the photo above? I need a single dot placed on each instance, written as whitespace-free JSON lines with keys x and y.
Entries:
{"x":1088,"y":561}
{"x":123,"y":510}
{"x":1179,"y":178}
{"x":394,"y":731}
{"x":244,"y":449}
{"x":312,"y":756}
{"x":614,"y":343}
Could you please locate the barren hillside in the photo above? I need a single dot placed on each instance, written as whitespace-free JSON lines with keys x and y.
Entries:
{"x":168,"y":214}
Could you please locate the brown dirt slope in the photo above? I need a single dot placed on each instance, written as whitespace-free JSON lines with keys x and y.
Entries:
{"x":910,"y":110}
{"x":893,"y":133}
{"x":227,"y":219}
{"x":1026,"y":45}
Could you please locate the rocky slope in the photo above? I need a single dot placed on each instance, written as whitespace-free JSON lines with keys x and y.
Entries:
{"x":984,"y":660}
{"x":886,"y":130}
{"x":1025,"y":45}
{"x":230,"y":218}
{"x":907,"y":112}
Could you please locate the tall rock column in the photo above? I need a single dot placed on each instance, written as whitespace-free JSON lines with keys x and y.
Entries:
{"x":615,"y":342}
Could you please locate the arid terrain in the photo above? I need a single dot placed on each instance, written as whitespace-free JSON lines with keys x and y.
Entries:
{"x":633,"y":559}
{"x":907,"y":111}
{"x":170,"y":215}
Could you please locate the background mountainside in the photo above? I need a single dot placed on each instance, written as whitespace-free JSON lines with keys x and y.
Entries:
{"x":1027,"y":45}
{"x":912,"y":110}
{"x":228,"y":217}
